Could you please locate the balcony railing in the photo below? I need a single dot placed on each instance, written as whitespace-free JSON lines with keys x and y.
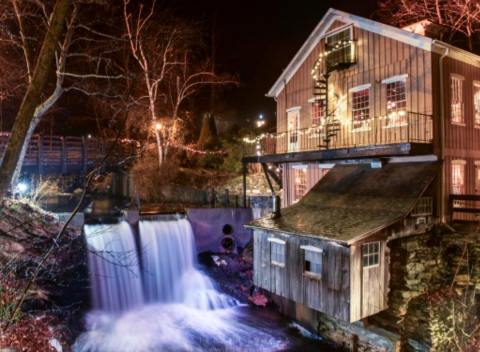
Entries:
{"x":408,"y":128}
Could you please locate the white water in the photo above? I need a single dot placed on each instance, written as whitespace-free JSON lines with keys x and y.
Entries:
{"x":113,"y":266}
{"x":182,"y":309}
{"x":169,"y":260}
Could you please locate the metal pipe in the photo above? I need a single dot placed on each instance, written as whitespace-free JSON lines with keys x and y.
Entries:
{"x":442,"y":128}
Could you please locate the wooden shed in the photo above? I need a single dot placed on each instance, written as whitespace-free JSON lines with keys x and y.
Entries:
{"x":329,"y":251}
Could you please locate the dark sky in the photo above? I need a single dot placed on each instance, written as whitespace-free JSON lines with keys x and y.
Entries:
{"x":257,"y":39}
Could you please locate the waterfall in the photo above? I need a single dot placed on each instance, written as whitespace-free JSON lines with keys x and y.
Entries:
{"x":176,"y":308}
{"x":113,"y":265}
{"x":170,"y":273}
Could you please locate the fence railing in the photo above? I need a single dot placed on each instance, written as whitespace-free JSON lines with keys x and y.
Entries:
{"x":407,"y":128}
{"x":466,"y":206}
{"x":67,"y":154}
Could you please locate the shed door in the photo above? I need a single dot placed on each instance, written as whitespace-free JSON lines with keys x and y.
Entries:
{"x":372,"y":278}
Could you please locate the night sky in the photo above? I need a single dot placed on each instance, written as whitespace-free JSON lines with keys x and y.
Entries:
{"x":257,"y":40}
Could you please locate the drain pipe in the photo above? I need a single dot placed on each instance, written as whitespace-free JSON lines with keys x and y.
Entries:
{"x":442,"y":128}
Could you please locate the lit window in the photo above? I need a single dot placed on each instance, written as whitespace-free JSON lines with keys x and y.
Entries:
{"x":341,"y":47}
{"x":313,"y":260}
{"x":293,"y":125}
{"x":476,"y":103}
{"x":370,"y":254}
{"x":318,"y":112}
{"x":477,"y":177}
{"x":360,"y":107}
{"x":458,"y":176}
{"x":396,"y":103}
{"x":277,"y":251}
{"x":300,"y":183}
{"x":457,"y":100}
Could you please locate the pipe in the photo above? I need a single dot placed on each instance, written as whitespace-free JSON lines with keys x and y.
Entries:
{"x":442,"y":128}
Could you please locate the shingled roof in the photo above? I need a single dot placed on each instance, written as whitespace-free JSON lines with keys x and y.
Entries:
{"x":354,"y":201}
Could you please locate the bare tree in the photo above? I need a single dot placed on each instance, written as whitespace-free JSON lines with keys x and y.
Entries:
{"x":37,"y":81}
{"x":173,"y":68}
{"x":83,"y":56}
{"x":451,"y":16}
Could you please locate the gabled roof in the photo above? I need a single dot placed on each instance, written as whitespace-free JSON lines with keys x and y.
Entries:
{"x":396,"y":33}
{"x":354,"y":201}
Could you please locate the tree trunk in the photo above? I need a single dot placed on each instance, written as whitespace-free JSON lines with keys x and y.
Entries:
{"x":159,"y":148}
{"x":31,"y":99}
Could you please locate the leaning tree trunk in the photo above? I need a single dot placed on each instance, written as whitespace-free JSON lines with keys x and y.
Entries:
{"x":31,"y":99}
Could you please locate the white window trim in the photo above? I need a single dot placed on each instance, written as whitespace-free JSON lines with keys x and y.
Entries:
{"x":459,"y":162}
{"x":326,"y":165}
{"x":396,"y":78}
{"x":311,"y":100}
{"x":456,"y":123}
{"x":312,"y":249}
{"x":338,"y":30}
{"x":457,"y":76}
{"x":477,"y":85}
{"x":294,"y":109}
{"x":371,"y":254}
{"x":360,"y":87}
{"x":276,"y":240}
{"x":299,"y":166}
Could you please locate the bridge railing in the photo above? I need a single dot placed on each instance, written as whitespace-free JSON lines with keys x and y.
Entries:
{"x":67,"y":154}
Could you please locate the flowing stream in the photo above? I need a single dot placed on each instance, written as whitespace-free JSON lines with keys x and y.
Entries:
{"x":160,"y":301}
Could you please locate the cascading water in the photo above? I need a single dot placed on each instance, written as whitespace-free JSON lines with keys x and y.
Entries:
{"x":170,"y":275}
{"x":176,"y":309}
{"x":114,"y":270}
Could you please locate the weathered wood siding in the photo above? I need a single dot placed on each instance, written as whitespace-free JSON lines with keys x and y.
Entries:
{"x":314,"y":173}
{"x":330,"y":294}
{"x":378,"y":58}
{"x":462,"y":142}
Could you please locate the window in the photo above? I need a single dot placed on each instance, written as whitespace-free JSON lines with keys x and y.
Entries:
{"x":341,"y":47}
{"x":360,"y":107}
{"x":300,"y":187}
{"x":396,"y":102}
{"x":476,"y":104}
{"x":293,"y":116}
{"x":277,"y":252}
{"x":457,"y":100}
{"x":318,"y":112}
{"x":370,"y":254}
{"x":313,"y":261}
{"x":458,"y":176}
{"x":477,"y":177}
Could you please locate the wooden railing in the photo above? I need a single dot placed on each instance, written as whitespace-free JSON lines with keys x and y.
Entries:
{"x":466,"y":204}
{"x":424,"y":207}
{"x":409,"y":128}
{"x":66,"y":154}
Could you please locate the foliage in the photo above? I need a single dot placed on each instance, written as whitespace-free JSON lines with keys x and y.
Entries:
{"x":233,"y":155}
{"x":455,"y":326}
{"x":208,"y":139}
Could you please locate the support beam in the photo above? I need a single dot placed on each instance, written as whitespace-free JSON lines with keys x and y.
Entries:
{"x":265,"y":171}
{"x":245,"y":171}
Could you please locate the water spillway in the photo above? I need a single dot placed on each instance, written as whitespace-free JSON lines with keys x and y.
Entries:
{"x":114,"y":268}
{"x":170,"y":273}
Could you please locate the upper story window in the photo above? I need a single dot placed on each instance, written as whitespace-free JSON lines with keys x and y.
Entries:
{"x":300,"y":187}
{"x":456,"y":107}
{"x":277,"y":252}
{"x":313,"y":261}
{"x":339,"y":45}
{"x":458,"y":176}
{"x":476,"y":104}
{"x":360,"y":106}
{"x":318,"y":112}
{"x":370,"y":254}
{"x":396,"y":94}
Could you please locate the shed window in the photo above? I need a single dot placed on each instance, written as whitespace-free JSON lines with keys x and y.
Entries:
{"x":458,"y":176}
{"x":318,"y":112}
{"x":457,"y":100}
{"x":476,"y":104}
{"x":277,"y":252}
{"x":370,"y":254}
{"x":360,"y":107}
{"x":396,"y":103}
{"x":340,"y":47}
{"x":313,"y":260}
{"x":300,"y":187}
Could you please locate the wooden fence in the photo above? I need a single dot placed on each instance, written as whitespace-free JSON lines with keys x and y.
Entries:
{"x":67,"y":154}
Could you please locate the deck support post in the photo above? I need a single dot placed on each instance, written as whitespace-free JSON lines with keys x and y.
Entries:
{"x":245,"y":171}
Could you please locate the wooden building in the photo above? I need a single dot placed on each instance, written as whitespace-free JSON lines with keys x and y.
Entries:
{"x":364,"y":110}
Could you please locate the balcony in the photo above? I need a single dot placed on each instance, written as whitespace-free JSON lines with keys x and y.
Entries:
{"x":359,"y":139}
